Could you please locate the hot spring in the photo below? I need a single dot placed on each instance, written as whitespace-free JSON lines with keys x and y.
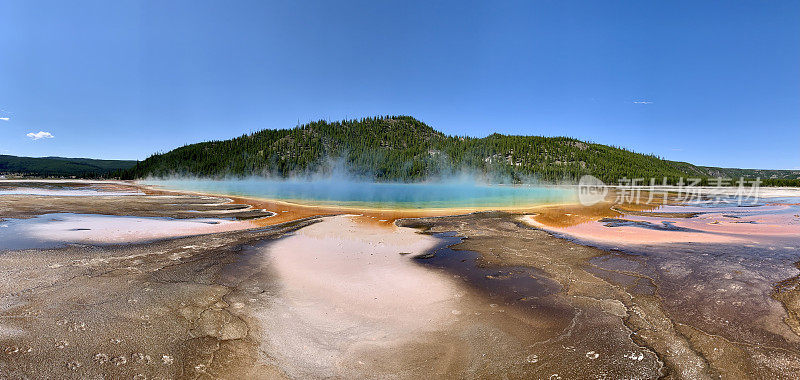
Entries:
{"x":331,"y":192}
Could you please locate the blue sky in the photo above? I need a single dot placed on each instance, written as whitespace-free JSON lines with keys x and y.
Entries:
{"x":709,"y":82}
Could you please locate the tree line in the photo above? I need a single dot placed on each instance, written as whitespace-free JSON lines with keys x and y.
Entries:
{"x":402,"y":148}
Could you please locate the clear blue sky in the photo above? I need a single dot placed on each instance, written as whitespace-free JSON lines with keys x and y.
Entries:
{"x":717,"y":82}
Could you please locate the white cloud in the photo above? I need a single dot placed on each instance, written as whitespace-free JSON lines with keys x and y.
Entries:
{"x":642,"y":102}
{"x":5,"y":118}
{"x":40,"y":135}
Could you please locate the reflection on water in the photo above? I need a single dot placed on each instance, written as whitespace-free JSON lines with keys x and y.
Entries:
{"x":378,"y":195}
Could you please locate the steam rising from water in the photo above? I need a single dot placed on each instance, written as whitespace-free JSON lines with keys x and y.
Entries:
{"x":463,"y":192}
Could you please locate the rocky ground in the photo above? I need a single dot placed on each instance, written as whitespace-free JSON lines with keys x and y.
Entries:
{"x":171,"y":308}
{"x":481,"y":295}
{"x":693,"y":310}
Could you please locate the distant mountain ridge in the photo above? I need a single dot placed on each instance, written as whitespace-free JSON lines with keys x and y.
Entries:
{"x":62,"y":166}
{"x":402,"y":148}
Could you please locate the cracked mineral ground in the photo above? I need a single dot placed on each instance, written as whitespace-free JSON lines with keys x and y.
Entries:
{"x":114,"y":280}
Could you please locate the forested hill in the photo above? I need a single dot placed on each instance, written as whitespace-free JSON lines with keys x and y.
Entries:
{"x":401,"y":148}
{"x":62,"y":166}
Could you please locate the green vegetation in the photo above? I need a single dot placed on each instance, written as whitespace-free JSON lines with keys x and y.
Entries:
{"x":63,"y":167}
{"x":401,"y":148}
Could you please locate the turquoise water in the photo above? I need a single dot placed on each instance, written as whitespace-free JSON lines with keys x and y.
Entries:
{"x":378,"y":195}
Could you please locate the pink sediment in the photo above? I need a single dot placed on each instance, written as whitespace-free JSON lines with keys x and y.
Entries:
{"x":596,"y":231}
{"x":709,"y":227}
{"x":91,"y":229}
{"x":345,"y":290}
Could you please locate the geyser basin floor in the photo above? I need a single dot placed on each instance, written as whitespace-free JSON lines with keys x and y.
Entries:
{"x":53,"y":230}
{"x":334,"y":296}
{"x":354,"y":303}
{"x":727,"y":274}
